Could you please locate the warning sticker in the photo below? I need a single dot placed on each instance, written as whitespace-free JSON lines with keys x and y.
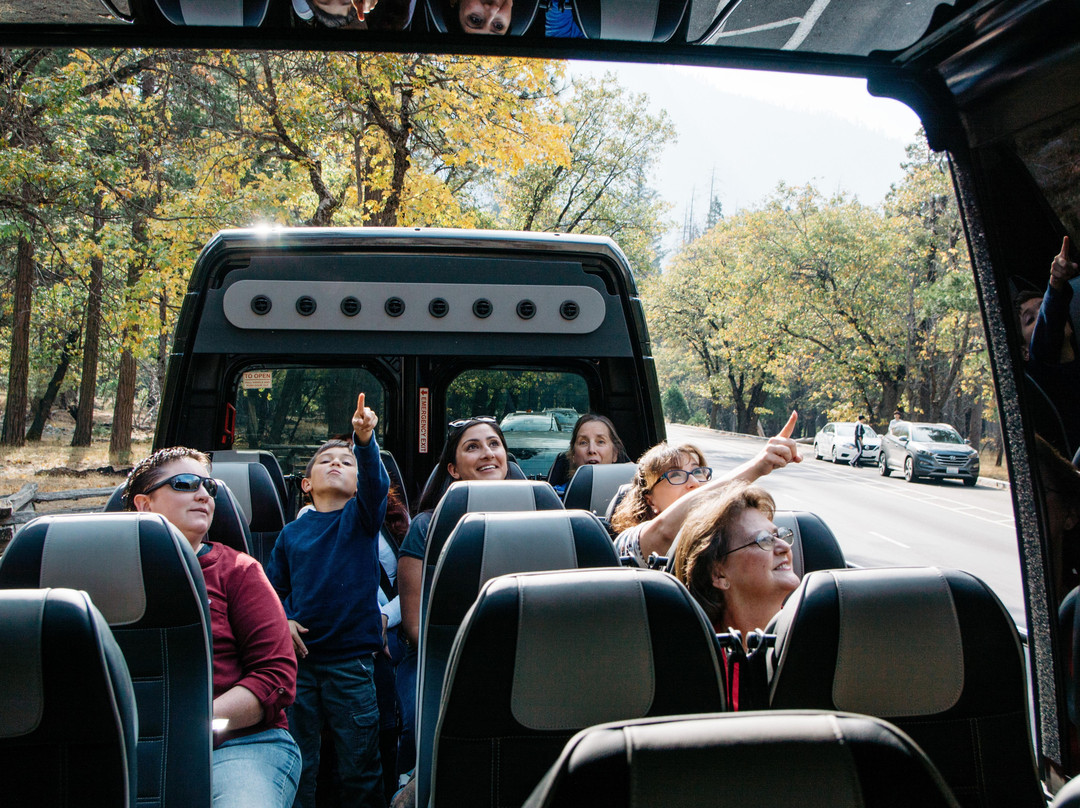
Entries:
{"x":425,"y":405}
{"x":257,"y":379}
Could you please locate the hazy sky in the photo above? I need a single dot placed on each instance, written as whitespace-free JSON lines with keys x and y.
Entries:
{"x":757,"y":129}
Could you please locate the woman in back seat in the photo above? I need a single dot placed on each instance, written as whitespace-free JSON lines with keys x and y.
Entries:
{"x":594,"y":441}
{"x":736,"y":563}
{"x":475,"y":450}
{"x":670,"y":481}
{"x":256,"y":762}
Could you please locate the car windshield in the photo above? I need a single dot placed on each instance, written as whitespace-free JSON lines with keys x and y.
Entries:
{"x":936,"y":434}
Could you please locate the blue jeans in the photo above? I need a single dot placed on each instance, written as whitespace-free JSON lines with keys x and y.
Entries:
{"x":406,"y":690}
{"x":256,"y":771}
{"x":341,"y":694}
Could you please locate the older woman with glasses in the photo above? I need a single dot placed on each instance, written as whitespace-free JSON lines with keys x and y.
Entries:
{"x":256,"y":762}
{"x":475,"y":449}
{"x":736,"y":563}
{"x":670,"y":480}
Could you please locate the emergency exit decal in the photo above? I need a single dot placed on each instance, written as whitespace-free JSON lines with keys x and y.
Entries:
{"x":425,"y":407}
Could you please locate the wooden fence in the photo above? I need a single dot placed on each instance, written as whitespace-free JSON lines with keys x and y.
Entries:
{"x":19,"y":508}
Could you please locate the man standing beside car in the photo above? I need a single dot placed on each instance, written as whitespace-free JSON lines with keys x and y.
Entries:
{"x":859,"y":429}
{"x":897,"y":417}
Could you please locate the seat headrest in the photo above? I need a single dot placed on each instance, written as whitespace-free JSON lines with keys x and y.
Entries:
{"x":813,"y":544}
{"x":267,"y":459}
{"x":631,"y":20}
{"x":468,"y":496}
{"x":230,"y":13}
{"x":899,"y":623}
{"x":828,"y":759}
{"x":591,"y":627}
{"x":255,"y":493}
{"x":138,"y":569}
{"x":593,"y":486}
{"x":486,"y":545}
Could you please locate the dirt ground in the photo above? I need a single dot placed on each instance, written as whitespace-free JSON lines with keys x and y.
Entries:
{"x":69,"y":13}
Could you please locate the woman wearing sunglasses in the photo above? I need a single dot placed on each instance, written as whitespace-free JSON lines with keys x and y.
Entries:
{"x":475,"y":449}
{"x":736,"y":563}
{"x":256,"y":762}
{"x":669,"y":482}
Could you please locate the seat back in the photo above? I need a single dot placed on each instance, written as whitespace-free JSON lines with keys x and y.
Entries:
{"x":142,"y":575}
{"x":633,"y":20}
{"x":229,"y":526}
{"x":543,"y":655}
{"x":467,"y":496}
{"x":67,"y":710}
{"x":481,"y":547}
{"x":257,"y":498}
{"x":394,"y":472}
{"x":232,"y":13}
{"x":267,"y":459}
{"x":930,"y":650}
{"x":827,"y":759}
{"x":593,"y":487}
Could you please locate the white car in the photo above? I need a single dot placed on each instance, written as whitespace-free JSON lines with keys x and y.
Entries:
{"x":836,"y":442}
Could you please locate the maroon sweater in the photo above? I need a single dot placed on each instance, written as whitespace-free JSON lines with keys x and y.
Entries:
{"x":252,"y":646}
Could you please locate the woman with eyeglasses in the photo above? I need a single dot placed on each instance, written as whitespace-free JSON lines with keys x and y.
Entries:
{"x":256,"y":762}
{"x":671,"y":479}
{"x":475,"y":449}
{"x":736,"y":563}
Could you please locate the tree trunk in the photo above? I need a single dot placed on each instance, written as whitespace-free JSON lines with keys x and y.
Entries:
{"x":14,"y":429}
{"x":43,"y":408}
{"x":123,"y":409}
{"x":84,"y":421}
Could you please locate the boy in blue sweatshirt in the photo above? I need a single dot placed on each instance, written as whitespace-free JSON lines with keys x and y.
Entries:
{"x":325,"y":568}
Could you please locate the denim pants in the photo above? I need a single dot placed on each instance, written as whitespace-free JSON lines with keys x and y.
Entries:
{"x":341,"y":694}
{"x":406,"y":690}
{"x":256,"y":771}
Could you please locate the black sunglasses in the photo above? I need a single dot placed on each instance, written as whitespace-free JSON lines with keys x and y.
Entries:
{"x":478,"y":419}
{"x":186,"y":483}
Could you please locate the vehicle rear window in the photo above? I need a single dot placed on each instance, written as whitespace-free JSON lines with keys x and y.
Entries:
{"x":291,"y":411}
{"x":536,"y":408}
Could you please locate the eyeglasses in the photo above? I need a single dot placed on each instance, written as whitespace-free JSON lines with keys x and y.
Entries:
{"x":186,"y":483}
{"x":478,"y":419}
{"x":766,"y":541}
{"x":679,"y":476}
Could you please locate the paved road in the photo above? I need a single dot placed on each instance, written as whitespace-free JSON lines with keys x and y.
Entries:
{"x":881,"y":521}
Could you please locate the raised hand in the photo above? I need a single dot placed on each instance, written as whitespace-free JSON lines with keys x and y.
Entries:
{"x":1062,"y":270}
{"x":364,"y":421}
{"x":781,"y":448}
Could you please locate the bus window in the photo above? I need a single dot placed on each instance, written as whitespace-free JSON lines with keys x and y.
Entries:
{"x":292,"y":411}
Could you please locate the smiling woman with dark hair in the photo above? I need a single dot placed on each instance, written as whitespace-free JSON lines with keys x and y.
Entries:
{"x":475,"y":449}
{"x":256,"y":762}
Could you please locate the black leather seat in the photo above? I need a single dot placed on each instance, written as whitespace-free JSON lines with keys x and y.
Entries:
{"x":746,"y":759}
{"x":932,"y":651}
{"x":813,"y":544}
{"x":263,"y":457}
{"x":142,"y":575}
{"x":639,"y":21}
{"x":67,"y":710}
{"x":229,"y":526}
{"x":469,"y":496}
{"x":543,"y":655}
{"x":481,"y":547}
{"x":232,"y":13}
{"x":257,"y":497}
{"x":593,"y":487}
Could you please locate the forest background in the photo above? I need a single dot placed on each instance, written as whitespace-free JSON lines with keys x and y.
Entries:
{"x":116,"y":166}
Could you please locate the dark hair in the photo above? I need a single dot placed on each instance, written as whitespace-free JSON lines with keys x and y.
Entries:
{"x":635,"y":508}
{"x":589,"y":417}
{"x":388,"y":15}
{"x":331,"y":20}
{"x":705,"y":537}
{"x":439,"y":481}
{"x":148,"y":470}
{"x":397,"y":515}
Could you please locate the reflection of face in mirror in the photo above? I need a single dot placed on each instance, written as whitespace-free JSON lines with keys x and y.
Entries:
{"x":389,"y":15}
{"x":1061,"y":485}
{"x":484,"y":16}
